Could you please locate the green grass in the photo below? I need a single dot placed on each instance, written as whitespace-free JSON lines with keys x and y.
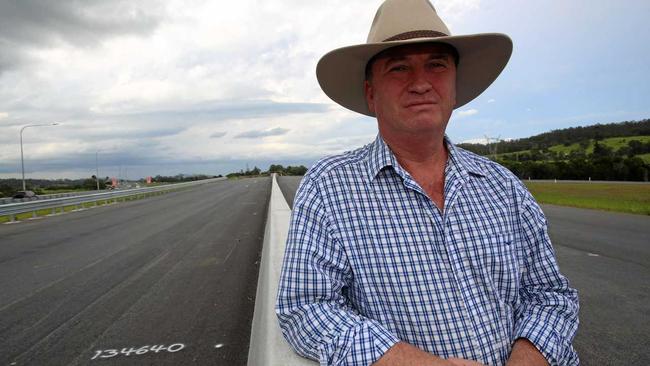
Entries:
{"x":620,"y":197}
{"x":512,"y":154}
{"x":613,"y":142}
{"x":645,"y":157}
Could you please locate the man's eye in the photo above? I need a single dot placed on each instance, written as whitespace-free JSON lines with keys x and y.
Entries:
{"x":398,"y":68}
{"x":437,"y":65}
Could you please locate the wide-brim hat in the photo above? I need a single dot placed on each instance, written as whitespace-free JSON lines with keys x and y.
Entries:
{"x":482,"y":57}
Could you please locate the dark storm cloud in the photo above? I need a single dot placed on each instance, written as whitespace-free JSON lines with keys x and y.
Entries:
{"x":278,"y":131}
{"x":32,"y":24}
{"x":145,"y":153}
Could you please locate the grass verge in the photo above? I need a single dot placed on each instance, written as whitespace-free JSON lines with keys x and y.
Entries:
{"x":619,"y":197}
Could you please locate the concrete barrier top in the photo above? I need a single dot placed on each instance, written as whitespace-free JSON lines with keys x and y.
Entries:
{"x":267,"y":345}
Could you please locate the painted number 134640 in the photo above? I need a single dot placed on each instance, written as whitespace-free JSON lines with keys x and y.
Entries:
{"x":108,"y":353}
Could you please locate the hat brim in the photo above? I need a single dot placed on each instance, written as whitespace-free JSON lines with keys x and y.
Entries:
{"x":482,"y":57}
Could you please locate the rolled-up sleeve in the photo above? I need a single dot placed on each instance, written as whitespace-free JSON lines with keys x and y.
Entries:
{"x":315,"y":315}
{"x":547,"y":313}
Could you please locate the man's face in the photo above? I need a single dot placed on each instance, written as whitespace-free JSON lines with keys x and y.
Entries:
{"x":412,"y":89}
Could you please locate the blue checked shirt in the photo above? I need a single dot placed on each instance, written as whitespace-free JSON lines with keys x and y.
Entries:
{"x":370,"y":261}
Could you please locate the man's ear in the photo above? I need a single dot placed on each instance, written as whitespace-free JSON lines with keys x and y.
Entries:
{"x":370,"y":96}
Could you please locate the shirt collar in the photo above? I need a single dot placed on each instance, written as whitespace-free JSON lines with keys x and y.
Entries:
{"x":380,"y":156}
{"x":462,"y":159}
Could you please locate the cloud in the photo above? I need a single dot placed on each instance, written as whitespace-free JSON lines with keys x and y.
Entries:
{"x":278,"y":131}
{"x":29,"y":25}
{"x":153,"y":84}
{"x":467,"y":113}
{"x":236,"y":109}
{"x":217,"y":135}
{"x":491,"y":100}
{"x":453,"y":12}
{"x":485,"y":140}
{"x":478,"y":140}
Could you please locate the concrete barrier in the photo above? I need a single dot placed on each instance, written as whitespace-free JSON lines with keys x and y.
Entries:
{"x":267,"y":345}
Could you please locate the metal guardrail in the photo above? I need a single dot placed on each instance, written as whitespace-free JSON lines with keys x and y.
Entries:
{"x":13,"y":209}
{"x":41,"y":197}
{"x":8,"y":200}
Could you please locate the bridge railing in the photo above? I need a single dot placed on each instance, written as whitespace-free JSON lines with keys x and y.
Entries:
{"x":41,"y":197}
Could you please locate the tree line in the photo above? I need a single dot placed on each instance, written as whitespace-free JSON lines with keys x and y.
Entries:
{"x":610,"y":167}
{"x":531,"y":158}
{"x":565,"y":137}
{"x":604,"y":163}
{"x":274,"y":168}
{"x":178,"y":178}
{"x":8,"y":187}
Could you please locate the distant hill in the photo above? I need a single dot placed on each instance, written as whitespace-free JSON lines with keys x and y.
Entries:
{"x":615,"y":151}
{"x":566,"y":136}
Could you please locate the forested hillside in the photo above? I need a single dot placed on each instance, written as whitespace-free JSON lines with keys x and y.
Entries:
{"x":615,"y":151}
{"x":567,"y":136}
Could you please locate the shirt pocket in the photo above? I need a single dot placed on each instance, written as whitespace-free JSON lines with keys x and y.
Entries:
{"x":494,"y":263}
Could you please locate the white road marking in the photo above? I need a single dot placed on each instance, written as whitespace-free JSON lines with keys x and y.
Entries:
{"x":109,"y":353}
{"x":219,"y":345}
{"x":593,"y":255}
{"x":229,"y":253}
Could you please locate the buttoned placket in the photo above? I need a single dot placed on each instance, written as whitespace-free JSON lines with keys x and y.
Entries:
{"x":442,"y":220}
{"x":455,"y":181}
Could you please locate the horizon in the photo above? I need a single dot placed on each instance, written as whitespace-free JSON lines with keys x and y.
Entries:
{"x":478,"y":141}
{"x":169,"y":87}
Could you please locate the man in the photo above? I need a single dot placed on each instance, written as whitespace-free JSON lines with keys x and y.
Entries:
{"x":411,"y":251}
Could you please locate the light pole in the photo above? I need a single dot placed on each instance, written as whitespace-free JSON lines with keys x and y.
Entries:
{"x":97,"y":169}
{"x":22,"y":159}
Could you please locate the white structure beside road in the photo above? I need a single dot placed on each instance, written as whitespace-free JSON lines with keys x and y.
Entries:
{"x":267,"y":346}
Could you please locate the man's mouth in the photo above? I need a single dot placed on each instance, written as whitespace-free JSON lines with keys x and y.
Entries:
{"x":420,"y":103}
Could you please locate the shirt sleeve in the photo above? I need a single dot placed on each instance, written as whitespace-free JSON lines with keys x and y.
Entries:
{"x":315,"y":315}
{"x":547,"y":313}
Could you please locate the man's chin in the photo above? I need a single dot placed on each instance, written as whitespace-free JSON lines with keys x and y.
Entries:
{"x":425,"y":120}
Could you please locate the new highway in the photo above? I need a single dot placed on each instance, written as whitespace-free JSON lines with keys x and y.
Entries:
{"x":166,"y":280}
{"x":171,"y":280}
{"x":606,"y":256}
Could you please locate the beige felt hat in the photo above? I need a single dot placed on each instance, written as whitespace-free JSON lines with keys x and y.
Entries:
{"x":341,"y":72}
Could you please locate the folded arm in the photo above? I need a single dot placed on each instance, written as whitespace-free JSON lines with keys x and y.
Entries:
{"x":547,"y":313}
{"x":315,"y":316}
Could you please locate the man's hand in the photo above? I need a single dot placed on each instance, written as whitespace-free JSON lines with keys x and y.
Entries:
{"x":525,"y":353}
{"x":404,"y":354}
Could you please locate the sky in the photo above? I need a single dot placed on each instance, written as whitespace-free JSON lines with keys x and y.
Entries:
{"x":172,"y":87}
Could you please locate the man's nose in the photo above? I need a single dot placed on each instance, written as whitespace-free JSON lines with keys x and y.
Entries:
{"x":419,"y":82}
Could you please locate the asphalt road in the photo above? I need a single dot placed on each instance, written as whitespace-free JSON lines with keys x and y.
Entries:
{"x":176,"y":273}
{"x":606,"y":256}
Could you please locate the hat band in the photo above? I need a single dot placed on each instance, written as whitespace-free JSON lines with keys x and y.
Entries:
{"x":416,"y":34}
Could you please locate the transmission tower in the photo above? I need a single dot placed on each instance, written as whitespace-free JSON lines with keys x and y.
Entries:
{"x":493,"y":144}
